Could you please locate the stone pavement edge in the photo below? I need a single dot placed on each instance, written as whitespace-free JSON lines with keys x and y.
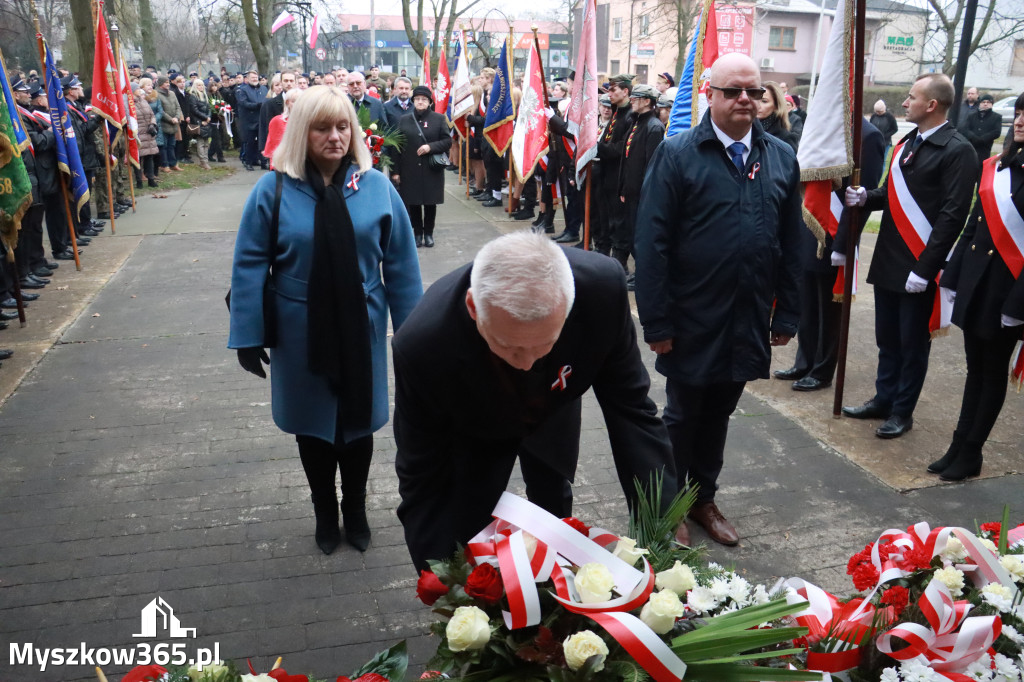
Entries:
{"x":140,"y":462}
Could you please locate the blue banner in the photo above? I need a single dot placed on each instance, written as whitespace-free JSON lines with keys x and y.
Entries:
{"x":500,"y":111}
{"x":19,"y":130}
{"x":68,"y":158}
{"x":682,"y":109}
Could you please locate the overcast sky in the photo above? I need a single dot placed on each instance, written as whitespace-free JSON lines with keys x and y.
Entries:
{"x":548,"y":7}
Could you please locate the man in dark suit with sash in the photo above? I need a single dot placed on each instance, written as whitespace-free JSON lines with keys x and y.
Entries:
{"x":925,"y":202}
{"x":491,"y":366}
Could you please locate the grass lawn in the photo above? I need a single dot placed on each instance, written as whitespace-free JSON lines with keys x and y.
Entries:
{"x":191,"y":175}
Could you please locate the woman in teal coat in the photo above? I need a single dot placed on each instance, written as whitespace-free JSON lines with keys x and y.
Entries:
{"x":345,"y":256}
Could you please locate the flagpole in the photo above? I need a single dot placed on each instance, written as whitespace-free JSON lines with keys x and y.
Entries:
{"x":107,"y":151}
{"x":511,"y":72}
{"x":855,"y":211}
{"x":117,"y":60}
{"x":63,"y":183}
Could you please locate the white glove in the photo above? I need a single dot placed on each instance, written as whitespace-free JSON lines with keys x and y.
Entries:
{"x":856,"y":196}
{"x":549,"y":112}
{"x":915,"y":284}
{"x":949,"y":295}
{"x":838,"y":259}
{"x":1010,"y":321}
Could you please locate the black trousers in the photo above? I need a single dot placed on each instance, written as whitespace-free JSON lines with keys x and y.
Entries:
{"x":904,"y":342}
{"x":622,"y":237}
{"x":216,"y":148}
{"x":494,"y":165}
{"x":30,"y":239}
{"x":422,"y":218}
{"x":322,"y":461}
{"x":149,"y":166}
{"x":697,"y":418}
{"x":988,"y":362}
{"x":610,"y":216}
{"x":56,"y":223}
{"x":817,"y":350}
{"x":529,"y":196}
{"x":251,"y":151}
{"x":573,"y":208}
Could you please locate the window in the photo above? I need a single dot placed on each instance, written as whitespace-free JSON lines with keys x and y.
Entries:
{"x":617,"y":28}
{"x":1017,"y":65}
{"x":615,"y":67}
{"x":355,"y":27}
{"x":782,"y":38}
{"x":645,"y":25}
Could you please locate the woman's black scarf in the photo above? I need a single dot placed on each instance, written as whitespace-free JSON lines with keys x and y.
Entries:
{"x":339,"y":326}
{"x":769,"y":122}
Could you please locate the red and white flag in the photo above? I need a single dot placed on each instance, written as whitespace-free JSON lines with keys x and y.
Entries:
{"x":462,"y":89}
{"x":530,"y":136}
{"x":283,"y":19}
{"x":443,"y":85}
{"x":131,"y":117}
{"x":582,"y":116}
{"x":106,"y":96}
{"x":314,"y":32}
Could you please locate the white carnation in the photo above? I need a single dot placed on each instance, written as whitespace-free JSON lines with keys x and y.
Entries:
{"x":889,"y":675}
{"x":998,"y":596}
{"x":720,"y":588}
{"x":1014,"y":564}
{"x":701,"y":600}
{"x":760,"y":595}
{"x":912,"y":671}
{"x":955,"y":551}
{"x":985,"y":542}
{"x":1006,"y":669}
{"x":952,"y":578}
{"x":1011,"y":634}
{"x":739,"y":590}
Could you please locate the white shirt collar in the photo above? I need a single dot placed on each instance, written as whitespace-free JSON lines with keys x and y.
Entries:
{"x":925,"y":134}
{"x":726,"y":140}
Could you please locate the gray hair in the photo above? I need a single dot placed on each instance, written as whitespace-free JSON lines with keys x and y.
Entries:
{"x":525,"y":274}
{"x":404,"y":79}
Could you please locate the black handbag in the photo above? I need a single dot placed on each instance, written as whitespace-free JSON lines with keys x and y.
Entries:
{"x":269,"y":291}
{"x":434,"y":161}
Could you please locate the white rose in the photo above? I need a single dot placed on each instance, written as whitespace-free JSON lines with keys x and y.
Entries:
{"x":594,"y":582}
{"x":468,"y":629}
{"x":1014,"y":564}
{"x":951,"y":578}
{"x":626,"y":550}
{"x":581,"y":646}
{"x":661,"y":610}
{"x":679,"y":579}
{"x":210,"y":671}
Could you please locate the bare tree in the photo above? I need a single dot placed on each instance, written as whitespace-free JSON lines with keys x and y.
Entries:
{"x":258,"y":17}
{"x":181,"y":37}
{"x":993,"y":25}
{"x":18,"y":35}
{"x":444,"y":12}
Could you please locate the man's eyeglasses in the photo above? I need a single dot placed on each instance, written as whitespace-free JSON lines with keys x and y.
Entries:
{"x":733,"y":93}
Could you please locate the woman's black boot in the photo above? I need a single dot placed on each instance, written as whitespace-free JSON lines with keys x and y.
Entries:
{"x":966,"y":465}
{"x":328,"y":535}
{"x":354,"y":463}
{"x":939,"y":465}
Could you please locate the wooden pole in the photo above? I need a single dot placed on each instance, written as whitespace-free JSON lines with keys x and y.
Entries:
{"x":107,"y":151}
{"x":586,"y":211}
{"x":127,"y":150}
{"x":468,"y":131}
{"x":63,"y":183}
{"x":855,"y":211}
{"x":509,"y":58}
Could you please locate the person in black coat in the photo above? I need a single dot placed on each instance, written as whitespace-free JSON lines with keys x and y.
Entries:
{"x":401,"y":103}
{"x":492,"y":365}
{"x":988,"y":305}
{"x":360,"y":100}
{"x":420,"y":184}
{"x":274,"y":107}
{"x":818,"y":341}
{"x":250,"y":96}
{"x":982,"y":128}
{"x":30,"y":253}
{"x":772,"y":114}
{"x":610,"y":212}
{"x":44,"y":147}
{"x":180,"y":89}
{"x":939,"y":169}
{"x":643,"y":138}
{"x":885,"y":122}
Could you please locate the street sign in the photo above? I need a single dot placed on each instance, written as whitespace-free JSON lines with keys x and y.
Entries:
{"x":321,"y":53}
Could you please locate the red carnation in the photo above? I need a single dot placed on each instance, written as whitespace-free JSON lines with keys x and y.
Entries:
{"x":865,"y":576}
{"x":992,"y":527}
{"x":484,"y":583}
{"x":578,"y":525}
{"x":280,"y":675}
{"x":429,"y":588}
{"x":897,"y":597}
{"x":144,"y":673}
{"x":914,"y":559}
{"x":371,"y":677}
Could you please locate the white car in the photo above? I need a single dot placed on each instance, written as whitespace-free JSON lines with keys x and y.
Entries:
{"x":1004,"y":108}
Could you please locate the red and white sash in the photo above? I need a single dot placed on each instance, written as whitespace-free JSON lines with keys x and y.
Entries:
{"x":1004,"y":221}
{"x":915,"y":229}
{"x":826,"y":207}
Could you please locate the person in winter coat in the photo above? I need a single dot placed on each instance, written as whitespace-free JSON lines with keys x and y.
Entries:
{"x":344,"y":256}
{"x":982,"y":128}
{"x":420,"y":184}
{"x":717,"y":272}
{"x":885,"y":122}
{"x":643,"y":138}
{"x":250,"y":96}
{"x":169,"y":119}
{"x":984,"y":276}
{"x":199,"y":105}
{"x":149,"y":152}
{"x":772,"y":114}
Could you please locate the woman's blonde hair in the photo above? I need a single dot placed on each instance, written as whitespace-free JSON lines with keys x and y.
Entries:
{"x":276,"y":80}
{"x":198,"y":89}
{"x":779,"y":99}
{"x":319,"y":104}
{"x":152,"y":94}
{"x":478,"y":94}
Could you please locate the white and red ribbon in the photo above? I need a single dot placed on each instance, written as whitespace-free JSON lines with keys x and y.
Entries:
{"x":1004,"y":221}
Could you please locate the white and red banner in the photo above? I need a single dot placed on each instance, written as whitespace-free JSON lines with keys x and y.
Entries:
{"x":462,"y":90}
{"x":442,"y":85}
{"x":283,"y":19}
{"x":1004,"y":221}
{"x":106,"y":96}
{"x":530,"y":135}
{"x":314,"y":32}
{"x":582,"y":116}
{"x":131,"y":127}
{"x":425,"y":79}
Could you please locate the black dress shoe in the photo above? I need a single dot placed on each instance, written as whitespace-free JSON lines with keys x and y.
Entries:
{"x":869,"y":410}
{"x":248,"y":166}
{"x":26,"y":298}
{"x":895,"y":426}
{"x":97,"y":224}
{"x":9,"y":304}
{"x":419,"y":241}
{"x":104,"y":216}
{"x":484,"y":196}
{"x":428,"y":241}
{"x":64,"y":255}
{"x":83,"y":241}
{"x":790,"y":374}
{"x":492,"y":203}
{"x":89,"y":232}
{"x":8,"y":315}
{"x":31,"y":283}
{"x":50,"y":265}
{"x":475,"y":192}
{"x":35,"y":278}
{"x":43,"y":272}
{"x":123,"y":202}
{"x":6,"y":353}
{"x":566,"y":238}
{"x":809,"y":383}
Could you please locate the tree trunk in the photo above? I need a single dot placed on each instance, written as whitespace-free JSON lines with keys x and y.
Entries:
{"x":85,"y":36}
{"x":258,"y":35}
{"x":146,"y":30}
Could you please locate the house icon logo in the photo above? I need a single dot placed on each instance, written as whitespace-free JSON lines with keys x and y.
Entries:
{"x":158,"y":616}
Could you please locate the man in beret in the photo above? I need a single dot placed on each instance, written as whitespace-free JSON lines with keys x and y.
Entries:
{"x":643,"y":138}
{"x":610,"y":211}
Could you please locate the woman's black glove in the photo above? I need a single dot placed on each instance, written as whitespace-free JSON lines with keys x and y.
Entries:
{"x":252,"y":360}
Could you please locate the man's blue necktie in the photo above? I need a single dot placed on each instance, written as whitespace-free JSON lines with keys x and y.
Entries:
{"x":736,"y":150}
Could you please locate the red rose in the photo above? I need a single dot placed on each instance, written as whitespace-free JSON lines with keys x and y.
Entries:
{"x":429,"y":588}
{"x":897,"y":597}
{"x":865,"y":576}
{"x":578,"y":525}
{"x":484,"y":583}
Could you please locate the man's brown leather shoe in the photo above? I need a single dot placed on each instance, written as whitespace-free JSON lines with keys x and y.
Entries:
{"x":711,"y":519}
{"x":683,"y":534}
